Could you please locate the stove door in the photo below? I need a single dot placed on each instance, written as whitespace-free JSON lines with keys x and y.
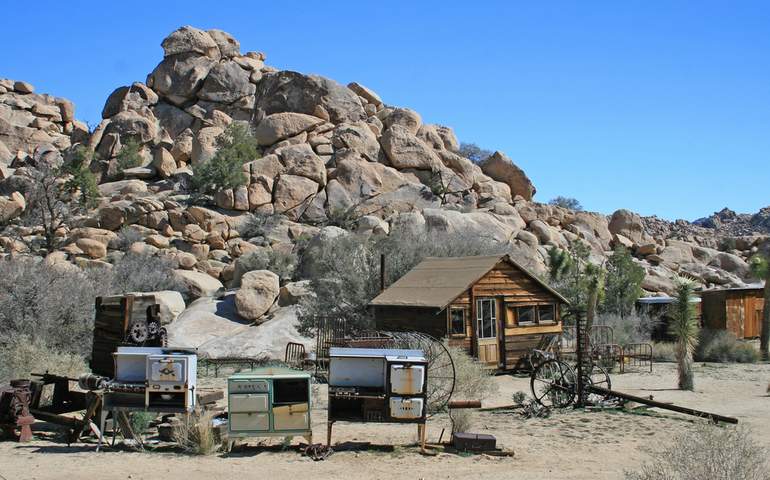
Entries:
{"x":407,"y":379}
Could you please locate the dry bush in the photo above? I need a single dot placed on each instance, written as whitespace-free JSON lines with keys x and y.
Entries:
{"x":663,"y":352}
{"x":707,"y":452}
{"x":635,"y":327}
{"x":472,"y":380}
{"x":723,"y":346}
{"x":137,"y":272}
{"x":195,"y":434}
{"x":24,"y":356}
{"x":462,"y":420}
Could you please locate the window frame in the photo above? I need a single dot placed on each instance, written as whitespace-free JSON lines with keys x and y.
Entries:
{"x":536,"y":307}
{"x":534,"y":316}
{"x":492,"y":318}
{"x":450,"y":329}
{"x":553,"y":320}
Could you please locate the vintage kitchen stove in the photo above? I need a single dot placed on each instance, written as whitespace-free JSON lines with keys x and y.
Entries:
{"x":377,"y":385}
{"x":269,"y":402}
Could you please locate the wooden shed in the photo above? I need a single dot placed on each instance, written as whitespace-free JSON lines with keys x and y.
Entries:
{"x":738,"y":310}
{"x":490,"y":305}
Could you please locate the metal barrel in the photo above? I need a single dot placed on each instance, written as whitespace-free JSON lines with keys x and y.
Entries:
{"x":89,"y":381}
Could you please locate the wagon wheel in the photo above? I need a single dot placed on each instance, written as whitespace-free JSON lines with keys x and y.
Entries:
{"x":553,"y":384}
{"x":600,"y":378}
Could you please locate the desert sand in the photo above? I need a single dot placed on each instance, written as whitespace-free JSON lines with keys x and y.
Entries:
{"x":571,"y":444}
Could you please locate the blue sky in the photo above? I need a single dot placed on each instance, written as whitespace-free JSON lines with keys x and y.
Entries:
{"x":660,"y":107}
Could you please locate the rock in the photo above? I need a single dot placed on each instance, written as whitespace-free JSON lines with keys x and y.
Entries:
{"x":404,"y":117}
{"x":23,"y":87}
{"x":528,"y":238}
{"x":647,"y":249}
{"x":179,"y":77}
{"x":366,"y":93}
{"x":171,"y":305}
{"x":188,"y":39}
{"x":173,"y":120}
{"x":158,"y":241}
{"x":259,"y":289}
{"x":92,"y":248}
{"x":301,"y":160}
{"x":294,"y":292}
{"x":142,"y":127}
{"x":204,"y":145}
{"x":228,"y":46}
{"x":618,"y":239}
{"x":359,"y":138}
{"x":292,"y":191}
{"x":122,"y":187}
{"x":279,"y":126}
{"x":134,"y":97}
{"x":186,"y":260}
{"x":449,"y":138}
{"x":628,"y":224}
{"x":288,"y":91}
{"x":732,"y":264}
{"x":11,"y":206}
{"x":163,"y":163}
{"x":405,"y":150}
{"x":542,"y":231}
{"x":226,"y":83}
{"x":197,"y":284}
{"x":500,"y":168}
{"x":205,"y":320}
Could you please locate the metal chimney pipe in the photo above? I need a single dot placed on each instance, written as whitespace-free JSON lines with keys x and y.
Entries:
{"x":382,"y":272}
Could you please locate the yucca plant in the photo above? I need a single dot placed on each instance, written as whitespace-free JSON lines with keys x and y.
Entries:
{"x":760,"y":267}
{"x":684,"y":328}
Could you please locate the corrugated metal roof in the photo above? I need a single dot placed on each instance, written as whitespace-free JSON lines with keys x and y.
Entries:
{"x":436,"y":281}
{"x":747,"y":288}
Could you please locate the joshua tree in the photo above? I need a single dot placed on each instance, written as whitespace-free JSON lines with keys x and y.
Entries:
{"x":684,"y":327}
{"x":760,"y":267}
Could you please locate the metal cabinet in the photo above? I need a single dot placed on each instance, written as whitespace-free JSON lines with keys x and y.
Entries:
{"x":269,"y":402}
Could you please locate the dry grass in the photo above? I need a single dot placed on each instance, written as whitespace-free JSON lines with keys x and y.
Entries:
{"x":19,"y":359}
{"x":707,"y":452}
{"x":195,"y":434}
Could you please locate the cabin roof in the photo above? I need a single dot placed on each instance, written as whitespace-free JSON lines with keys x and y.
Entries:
{"x":437,"y":281}
{"x":752,"y":287}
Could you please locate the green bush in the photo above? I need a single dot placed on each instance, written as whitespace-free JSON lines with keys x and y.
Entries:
{"x":236,"y":146}
{"x":279,"y":262}
{"x":130,"y":154}
{"x":723,"y":346}
{"x":82,"y":180}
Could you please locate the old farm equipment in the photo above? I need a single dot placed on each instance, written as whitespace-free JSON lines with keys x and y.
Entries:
{"x":556,"y":383}
{"x":14,"y":410}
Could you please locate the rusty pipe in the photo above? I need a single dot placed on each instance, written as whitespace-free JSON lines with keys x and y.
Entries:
{"x":457,"y":404}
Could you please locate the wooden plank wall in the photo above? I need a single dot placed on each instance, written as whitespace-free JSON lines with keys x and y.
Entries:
{"x":426,"y":320}
{"x":110,"y":323}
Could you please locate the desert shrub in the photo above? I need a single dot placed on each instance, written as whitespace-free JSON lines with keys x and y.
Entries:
{"x":82,"y":180}
{"x":235,"y":146}
{"x":128,"y":236}
{"x":195,"y":433}
{"x":633,"y":328}
{"x":259,"y":225}
{"x":22,"y":356}
{"x":283,"y":264}
{"x":707,"y":452}
{"x":664,"y":351}
{"x":137,"y":272}
{"x":566,"y":202}
{"x":53,"y":305}
{"x":140,"y":421}
{"x":462,"y":420}
{"x":473,"y":152}
{"x":130,"y":154}
{"x":472,"y":380}
{"x":723,"y":346}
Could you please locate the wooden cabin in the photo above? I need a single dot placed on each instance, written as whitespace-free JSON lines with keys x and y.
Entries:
{"x":489,"y":305}
{"x":659,"y":308}
{"x":738,"y":310}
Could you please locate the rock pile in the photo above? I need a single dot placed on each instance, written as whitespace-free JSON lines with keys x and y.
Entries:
{"x":327,"y":151}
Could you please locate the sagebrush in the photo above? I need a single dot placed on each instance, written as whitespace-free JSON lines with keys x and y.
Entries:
{"x":707,"y":452}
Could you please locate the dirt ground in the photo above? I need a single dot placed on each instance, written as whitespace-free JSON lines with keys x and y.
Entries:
{"x":570,"y":444}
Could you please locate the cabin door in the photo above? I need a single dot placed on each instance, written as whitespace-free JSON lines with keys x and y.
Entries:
{"x":488,"y":345}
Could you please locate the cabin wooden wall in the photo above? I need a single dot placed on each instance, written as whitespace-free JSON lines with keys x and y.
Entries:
{"x":426,"y":320}
{"x":739,"y":312}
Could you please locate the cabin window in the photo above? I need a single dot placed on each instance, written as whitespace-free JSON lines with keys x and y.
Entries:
{"x":526,"y":315}
{"x":486,"y":318}
{"x":545,"y":314}
{"x":457,"y":321}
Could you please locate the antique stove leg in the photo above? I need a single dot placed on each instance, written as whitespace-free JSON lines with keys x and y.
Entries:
{"x":329,"y":434}
{"x":421,"y":435}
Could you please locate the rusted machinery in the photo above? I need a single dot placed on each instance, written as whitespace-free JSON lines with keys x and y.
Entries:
{"x":555,"y":383}
{"x":14,"y":410}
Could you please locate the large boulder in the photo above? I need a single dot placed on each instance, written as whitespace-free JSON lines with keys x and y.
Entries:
{"x":293,"y":293}
{"x":177,"y":78}
{"x":92,"y":248}
{"x":133,"y":97}
{"x":228,"y":46}
{"x":732,"y":264}
{"x":280,"y":126}
{"x":629,"y":224}
{"x":189,"y":39}
{"x":288,"y":91}
{"x":404,"y":117}
{"x":11,"y":206}
{"x":197,"y":284}
{"x":205,"y":320}
{"x":291,"y":192}
{"x":357,"y":137}
{"x":132,"y":124}
{"x":405,"y":150}
{"x":259,"y":289}
{"x":502,"y":169}
{"x":227,"y":82}
{"x":301,"y":160}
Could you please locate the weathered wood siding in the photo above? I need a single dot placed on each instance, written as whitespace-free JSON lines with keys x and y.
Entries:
{"x":739,"y":312}
{"x":426,"y":320}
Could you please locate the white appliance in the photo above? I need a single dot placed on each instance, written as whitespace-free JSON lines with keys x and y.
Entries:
{"x":404,"y":408}
{"x":406,"y":379}
{"x":171,"y":380}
